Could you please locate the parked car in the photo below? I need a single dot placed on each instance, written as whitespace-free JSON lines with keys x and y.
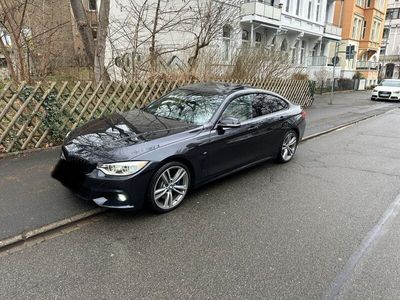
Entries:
{"x":388,"y":89}
{"x":181,"y":141}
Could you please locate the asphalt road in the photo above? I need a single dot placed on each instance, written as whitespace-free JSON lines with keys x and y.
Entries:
{"x":271,"y":232}
{"x":30,"y":198}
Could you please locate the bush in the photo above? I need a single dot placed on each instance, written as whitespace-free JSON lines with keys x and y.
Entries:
{"x":299,"y":76}
{"x":358,"y":75}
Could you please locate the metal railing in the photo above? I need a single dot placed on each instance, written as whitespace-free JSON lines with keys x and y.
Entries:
{"x":367,"y":65}
{"x":333,"y":29}
{"x":317,"y":61}
{"x":263,"y":9}
{"x":274,"y":3}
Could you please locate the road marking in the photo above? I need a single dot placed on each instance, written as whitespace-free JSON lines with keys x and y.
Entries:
{"x":370,"y":240}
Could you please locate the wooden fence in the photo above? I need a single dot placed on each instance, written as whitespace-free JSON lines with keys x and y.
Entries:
{"x":39,"y":115}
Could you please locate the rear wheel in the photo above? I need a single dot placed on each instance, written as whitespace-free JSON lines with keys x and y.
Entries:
{"x":169,"y":187}
{"x":288,"y":147}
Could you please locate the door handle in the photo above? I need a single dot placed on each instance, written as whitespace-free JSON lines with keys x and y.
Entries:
{"x":252,"y":127}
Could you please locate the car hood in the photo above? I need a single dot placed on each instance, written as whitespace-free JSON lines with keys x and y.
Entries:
{"x":125,"y":135}
{"x":387,"y":89}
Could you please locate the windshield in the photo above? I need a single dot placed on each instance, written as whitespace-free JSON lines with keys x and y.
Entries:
{"x":394,"y":83}
{"x":186,"y":106}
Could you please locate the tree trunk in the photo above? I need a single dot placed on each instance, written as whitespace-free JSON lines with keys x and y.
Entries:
{"x":153,"y":56}
{"x":17,"y":41}
{"x":10,"y":66}
{"x":84,"y":29}
{"x":100,"y":72}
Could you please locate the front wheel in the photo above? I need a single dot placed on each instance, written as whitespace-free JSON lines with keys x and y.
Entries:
{"x":288,"y":147}
{"x":169,"y":187}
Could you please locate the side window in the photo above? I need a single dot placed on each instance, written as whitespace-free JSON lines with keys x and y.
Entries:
{"x":264,"y":104}
{"x":239,"y":108}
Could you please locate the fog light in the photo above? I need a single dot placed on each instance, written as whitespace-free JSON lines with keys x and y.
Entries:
{"x":122,"y":197}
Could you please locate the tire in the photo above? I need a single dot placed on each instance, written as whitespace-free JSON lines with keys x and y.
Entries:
{"x":169,"y":187}
{"x":288,"y":147}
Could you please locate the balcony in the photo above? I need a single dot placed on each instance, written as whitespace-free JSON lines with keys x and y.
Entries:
{"x":333,"y":31}
{"x":320,"y":61}
{"x":317,"y":61}
{"x":369,"y":45}
{"x":321,"y":66}
{"x":261,"y":11}
{"x":367,"y":65}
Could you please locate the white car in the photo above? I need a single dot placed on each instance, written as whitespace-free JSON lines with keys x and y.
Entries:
{"x":388,"y":89}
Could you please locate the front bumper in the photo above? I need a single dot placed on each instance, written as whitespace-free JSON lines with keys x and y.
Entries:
{"x":104,"y":190}
{"x":389,"y":96}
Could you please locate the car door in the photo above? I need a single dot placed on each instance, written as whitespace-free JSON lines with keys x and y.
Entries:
{"x":270,"y":110}
{"x":234,"y":147}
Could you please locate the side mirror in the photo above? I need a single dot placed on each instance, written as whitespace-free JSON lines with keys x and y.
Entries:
{"x":229,"y":123}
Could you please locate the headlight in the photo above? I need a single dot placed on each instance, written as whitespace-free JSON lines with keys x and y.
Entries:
{"x":375,"y":91}
{"x":122,"y":168}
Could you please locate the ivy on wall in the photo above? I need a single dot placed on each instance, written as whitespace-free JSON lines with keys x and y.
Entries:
{"x":52,"y":115}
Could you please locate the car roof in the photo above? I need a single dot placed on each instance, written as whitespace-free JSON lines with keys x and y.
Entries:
{"x":214,"y":88}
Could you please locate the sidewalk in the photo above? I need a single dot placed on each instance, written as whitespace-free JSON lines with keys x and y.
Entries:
{"x":346,"y":107}
{"x":30,"y":198}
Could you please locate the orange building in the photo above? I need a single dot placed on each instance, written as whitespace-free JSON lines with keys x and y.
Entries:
{"x":362,"y":23}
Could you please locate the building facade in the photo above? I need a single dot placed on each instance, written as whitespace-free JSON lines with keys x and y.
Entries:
{"x":304,"y":29}
{"x":362,"y":22}
{"x":390,"y":47}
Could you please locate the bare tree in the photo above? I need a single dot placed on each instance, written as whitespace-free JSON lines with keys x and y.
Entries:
{"x":126,"y":39}
{"x":84,"y":29}
{"x":261,"y":62}
{"x":6,"y":52}
{"x":207,"y":22}
{"x":100,"y":71}
{"x":12,"y":21}
{"x":94,"y":49}
{"x":164,"y":17}
{"x":31,"y":37}
{"x":142,"y":33}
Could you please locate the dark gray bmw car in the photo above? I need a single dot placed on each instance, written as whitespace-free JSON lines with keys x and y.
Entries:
{"x":193,"y":135}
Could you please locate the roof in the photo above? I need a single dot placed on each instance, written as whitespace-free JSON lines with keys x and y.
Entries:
{"x":214,"y":88}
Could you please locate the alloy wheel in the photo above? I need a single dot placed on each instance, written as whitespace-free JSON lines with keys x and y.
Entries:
{"x":171,"y":187}
{"x":289,"y":146}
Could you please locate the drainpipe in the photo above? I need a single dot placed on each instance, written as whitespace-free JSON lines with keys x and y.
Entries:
{"x":386,"y":45}
{"x":341,"y":14}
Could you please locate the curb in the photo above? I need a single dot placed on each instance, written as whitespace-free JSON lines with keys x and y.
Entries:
{"x":339,"y":92}
{"x":27,"y":151}
{"x":52,"y":226}
{"x":96,"y":211}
